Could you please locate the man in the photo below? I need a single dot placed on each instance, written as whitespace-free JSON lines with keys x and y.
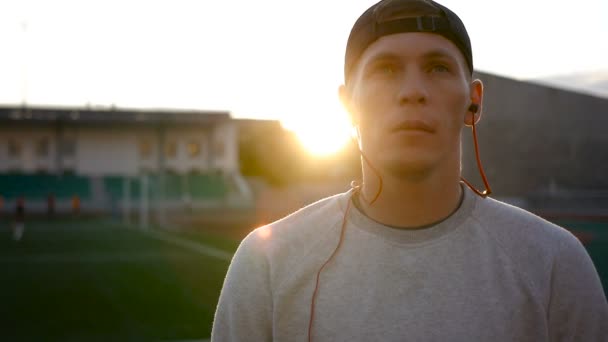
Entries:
{"x":412,"y":254}
{"x":19,"y":224}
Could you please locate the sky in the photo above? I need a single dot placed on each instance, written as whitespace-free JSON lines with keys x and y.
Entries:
{"x":271,"y":59}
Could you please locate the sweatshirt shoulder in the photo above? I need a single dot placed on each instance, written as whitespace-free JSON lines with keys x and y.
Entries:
{"x":301,"y":228}
{"x":295,"y":243}
{"x":312,"y":217}
{"x":531,"y":245}
{"x":511,"y":222}
{"x":523,"y":235}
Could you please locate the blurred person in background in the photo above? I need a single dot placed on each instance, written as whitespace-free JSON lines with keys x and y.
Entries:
{"x":19,"y":223}
{"x":76,"y":205}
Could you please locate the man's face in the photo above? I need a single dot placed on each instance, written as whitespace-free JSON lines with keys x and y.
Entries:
{"x":409,"y":95}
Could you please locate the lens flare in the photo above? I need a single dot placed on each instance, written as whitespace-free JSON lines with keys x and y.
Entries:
{"x":321,"y":136}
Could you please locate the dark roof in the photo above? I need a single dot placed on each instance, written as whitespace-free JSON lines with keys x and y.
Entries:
{"x":109,"y":115}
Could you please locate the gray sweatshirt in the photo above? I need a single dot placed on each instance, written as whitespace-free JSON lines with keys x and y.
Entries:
{"x":489,"y":272}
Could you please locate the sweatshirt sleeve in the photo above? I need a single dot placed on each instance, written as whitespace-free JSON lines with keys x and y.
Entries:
{"x":578,"y":310}
{"x":244,"y":311}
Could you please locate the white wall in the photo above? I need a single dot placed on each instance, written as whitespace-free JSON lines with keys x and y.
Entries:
{"x":105,"y":150}
{"x":100,"y":151}
{"x":226,"y":135}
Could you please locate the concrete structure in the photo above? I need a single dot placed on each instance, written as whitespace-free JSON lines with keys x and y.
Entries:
{"x":545,"y":146}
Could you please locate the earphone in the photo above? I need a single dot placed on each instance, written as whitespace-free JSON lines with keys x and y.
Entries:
{"x":473,"y":108}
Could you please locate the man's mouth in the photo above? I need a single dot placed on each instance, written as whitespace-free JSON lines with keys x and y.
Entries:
{"x":413,"y":126}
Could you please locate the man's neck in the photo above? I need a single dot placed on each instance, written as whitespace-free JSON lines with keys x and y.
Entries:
{"x":410,"y":202}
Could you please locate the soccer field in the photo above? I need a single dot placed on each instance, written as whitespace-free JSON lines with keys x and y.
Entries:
{"x":95,"y":280}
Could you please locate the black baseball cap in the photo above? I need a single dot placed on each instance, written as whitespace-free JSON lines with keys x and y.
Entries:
{"x":398,"y":16}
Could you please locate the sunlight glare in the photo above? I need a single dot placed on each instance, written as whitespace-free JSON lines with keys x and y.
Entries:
{"x":264,"y":232}
{"x":321,"y":135}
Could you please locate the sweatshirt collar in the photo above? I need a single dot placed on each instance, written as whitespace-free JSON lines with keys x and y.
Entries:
{"x":414,"y":235}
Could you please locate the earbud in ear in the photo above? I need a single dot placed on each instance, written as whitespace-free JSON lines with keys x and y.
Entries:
{"x":474,"y":107}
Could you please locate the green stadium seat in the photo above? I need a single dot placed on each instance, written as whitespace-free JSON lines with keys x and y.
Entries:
{"x":39,"y":186}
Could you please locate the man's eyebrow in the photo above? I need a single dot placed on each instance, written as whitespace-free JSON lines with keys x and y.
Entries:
{"x":383,"y":56}
{"x":439,"y":53}
{"x":435,"y":53}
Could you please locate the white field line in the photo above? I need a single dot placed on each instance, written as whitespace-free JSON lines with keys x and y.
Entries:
{"x":188,"y":244}
{"x":66,"y":257}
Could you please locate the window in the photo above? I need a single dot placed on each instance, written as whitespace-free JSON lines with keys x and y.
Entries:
{"x":171,"y":149}
{"x":145,"y":149}
{"x":14,"y":149}
{"x":68,"y":147}
{"x":42,"y":148}
{"x":194,"y":149}
{"x":218,"y":148}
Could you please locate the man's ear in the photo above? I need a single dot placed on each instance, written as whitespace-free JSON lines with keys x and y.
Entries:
{"x":346,"y":101}
{"x":476,"y":98}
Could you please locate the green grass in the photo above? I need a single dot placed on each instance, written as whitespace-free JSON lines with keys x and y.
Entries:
{"x":91,"y":280}
{"x":94,"y":280}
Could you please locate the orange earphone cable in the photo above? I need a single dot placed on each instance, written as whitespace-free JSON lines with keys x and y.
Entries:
{"x":488,"y":190}
{"x":380,"y":181}
{"x":314,"y":294}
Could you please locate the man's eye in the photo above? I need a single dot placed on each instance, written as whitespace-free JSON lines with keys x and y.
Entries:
{"x":385,"y":69}
{"x":388,"y":69}
{"x":439,"y":68}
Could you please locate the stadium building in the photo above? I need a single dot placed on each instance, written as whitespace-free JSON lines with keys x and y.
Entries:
{"x":110,"y":160}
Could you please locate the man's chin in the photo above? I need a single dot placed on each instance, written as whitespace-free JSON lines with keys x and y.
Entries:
{"x":409,"y":170}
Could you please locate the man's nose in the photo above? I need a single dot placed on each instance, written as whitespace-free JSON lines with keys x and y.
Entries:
{"x":412,"y":88}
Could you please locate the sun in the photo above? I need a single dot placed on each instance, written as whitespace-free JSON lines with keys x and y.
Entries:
{"x":321,"y":136}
